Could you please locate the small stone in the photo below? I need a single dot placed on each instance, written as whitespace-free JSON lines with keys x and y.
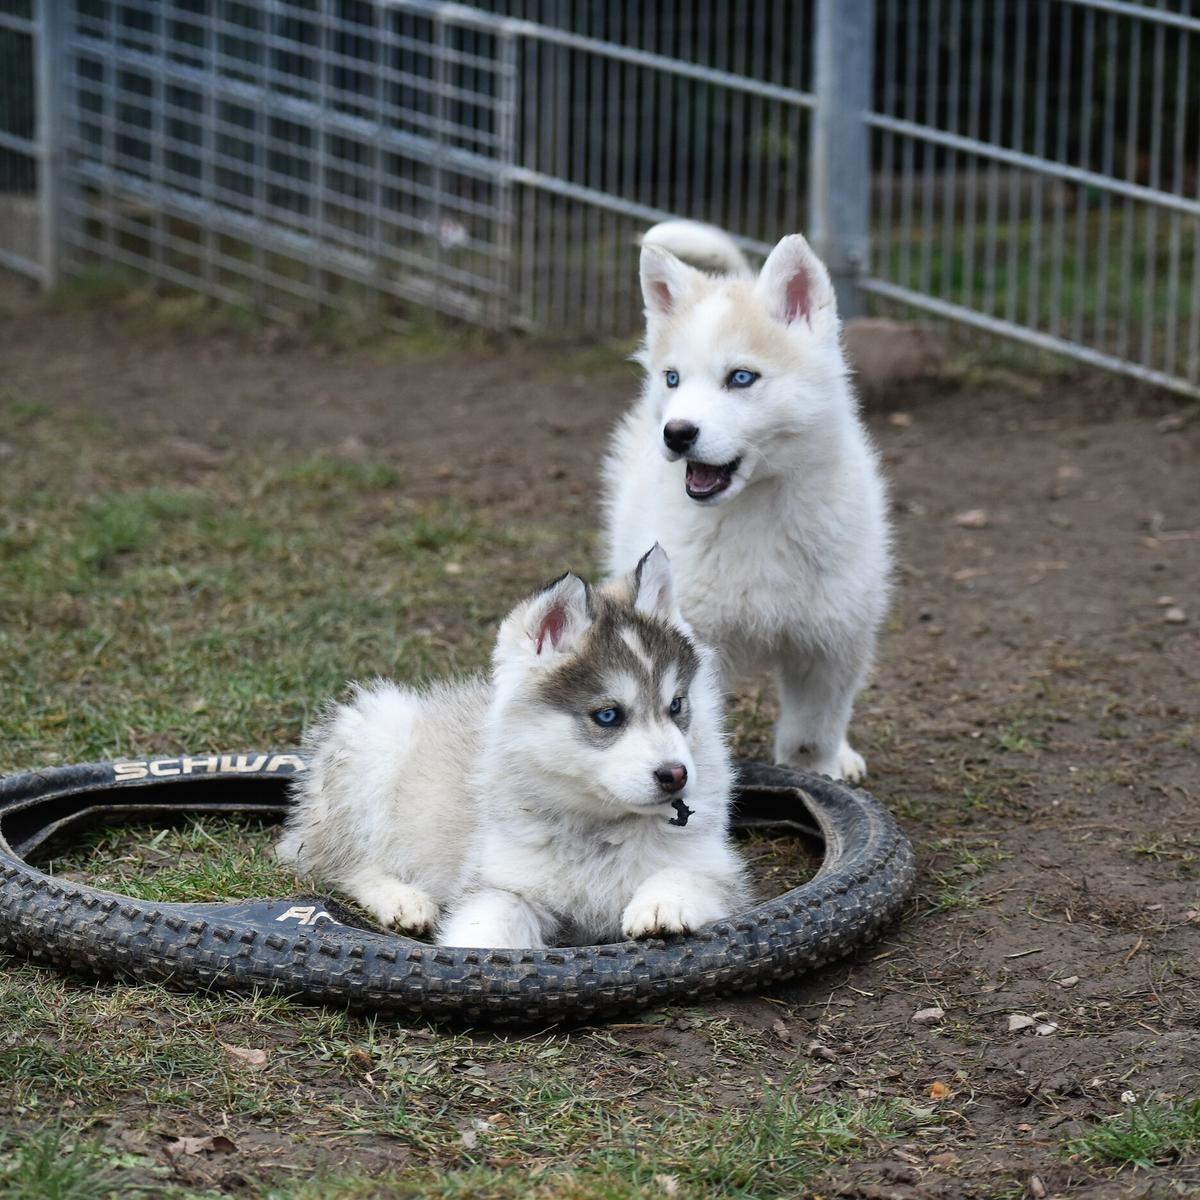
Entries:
{"x":453,"y":568}
{"x":1175,"y":616}
{"x":1165,"y":601}
{"x":820,"y":1050}
{"x":927,"y":1016}
{"x":1069,"y":982}
{"x":1037,"y":1189}
{"x":1128,"y":1097}
{"x":944,"y":1161}
{"x":781,"y":1031}
{"x":972,"y":518}
{"x":901,"y":420}
{"x":1019,"y":1021}
{"x":1046,"y":1028}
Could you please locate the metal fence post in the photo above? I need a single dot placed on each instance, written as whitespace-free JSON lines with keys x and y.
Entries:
{"x":840,"y":168}
{"x":49,"y":70}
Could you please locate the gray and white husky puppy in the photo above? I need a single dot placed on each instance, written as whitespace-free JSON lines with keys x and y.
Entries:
{"x":746,"y":459}
{"x":581,"y":792}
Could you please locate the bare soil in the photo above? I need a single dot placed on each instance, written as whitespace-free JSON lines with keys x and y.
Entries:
{"x":1033,"y":719}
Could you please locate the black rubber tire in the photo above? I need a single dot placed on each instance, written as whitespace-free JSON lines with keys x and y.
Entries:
{"x":313,"y":949}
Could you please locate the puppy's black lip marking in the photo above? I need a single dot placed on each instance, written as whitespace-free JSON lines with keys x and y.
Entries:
{"x":683,"y":811}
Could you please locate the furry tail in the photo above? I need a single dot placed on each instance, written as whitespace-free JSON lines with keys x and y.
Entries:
{"x":704,"y":246}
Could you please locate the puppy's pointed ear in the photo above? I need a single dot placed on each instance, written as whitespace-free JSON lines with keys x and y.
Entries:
{"x":796,"y":288}
{"x":653,"y":586}
{"x":667,"y":282}
{"x":555,"y":619}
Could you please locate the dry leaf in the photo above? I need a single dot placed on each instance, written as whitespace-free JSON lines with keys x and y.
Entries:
{"x":938,"y":1090}
{"x":820,"y":1050}
{"x":945,"y":1160}
{"x":927,"y":1016}
{"x":973,"y":518}
{"x":245,"y":1056}
{"x":781,"y":1031}
{"x":217,"y":1144}
{"x":668,"y":1183}
{"x":1037,"y":1189}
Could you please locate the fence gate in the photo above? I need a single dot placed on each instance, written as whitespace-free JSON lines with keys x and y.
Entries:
{"x":280,"y":152}
{"x":26,"y":236}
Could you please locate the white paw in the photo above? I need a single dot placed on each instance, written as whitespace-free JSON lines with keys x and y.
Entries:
{"x":846,"y":763}
{"x":655,"y":916}
{"x":851,"y":766}
{"x":398,"y":905}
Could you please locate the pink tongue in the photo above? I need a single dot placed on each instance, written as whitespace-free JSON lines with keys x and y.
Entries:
{"x":703,"y":478}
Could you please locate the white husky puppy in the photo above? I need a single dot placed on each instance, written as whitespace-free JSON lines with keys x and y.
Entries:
{"x":746,"y":459}
{"x":582,"y":792}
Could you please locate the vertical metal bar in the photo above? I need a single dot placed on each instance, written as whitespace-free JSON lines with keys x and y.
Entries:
{"x":1065,"y":114}
{"x":949,"y":246}
{"x":1012,"y":267}
{"x":755,"y":179}
{"x":1174,"y":238}
{"x":909,"y":145}
{"x":885,"y":260}
{"x":1085,"y":150}
{"x":1127,"y":216}
{"x":720,"y":117}
{"x":840,"y":174}
{"x":993,"y":191}
{"x":1149,"y":289}
{"x":50,"y":70}
{"x":1041,"y":103}
{"x":1107,"y":152}
{"x":933,"y":36}
{"x":974,"y":98}
{"x":507,"y":84}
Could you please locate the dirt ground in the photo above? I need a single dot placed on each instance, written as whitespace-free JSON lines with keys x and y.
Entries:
{"x":1033,"y":720}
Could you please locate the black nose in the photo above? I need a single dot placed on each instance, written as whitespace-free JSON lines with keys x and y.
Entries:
{"x":671,"y":777}
{"x":679,"y":435}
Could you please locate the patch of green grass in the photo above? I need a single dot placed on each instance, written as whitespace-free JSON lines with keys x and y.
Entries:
{"x":141,"y":614}
{"x":766,"y":1151}
{"x":208,"y":859}
{"x":1142,"y":1135}
{"x":53,"y":1165}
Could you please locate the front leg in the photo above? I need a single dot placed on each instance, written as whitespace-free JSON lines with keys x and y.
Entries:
{"x":674,"y":901}
{"x":491,"y":918}
{"x":816,"y":697}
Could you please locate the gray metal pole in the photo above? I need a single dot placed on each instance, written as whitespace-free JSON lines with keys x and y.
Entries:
{"x":840,"y":167}
{"x":49,"y":65}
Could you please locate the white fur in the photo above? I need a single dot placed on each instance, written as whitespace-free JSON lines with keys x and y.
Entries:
{"x":789,"y":566}
{"x":485,"y":803}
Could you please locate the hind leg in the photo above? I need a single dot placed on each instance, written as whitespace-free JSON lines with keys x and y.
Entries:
{"x":816,"y":697}
{"x":492,"y":918}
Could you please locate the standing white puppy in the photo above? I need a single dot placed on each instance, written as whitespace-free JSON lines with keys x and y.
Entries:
{"x":747,"y":461}
{"x":582,"y":792}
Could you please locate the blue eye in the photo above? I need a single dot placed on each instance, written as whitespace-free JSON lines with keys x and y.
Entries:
{"x":741,"y":378}
{"x":607,"y":716}
{"x":672,"y":378}
{"x":676,"y":706}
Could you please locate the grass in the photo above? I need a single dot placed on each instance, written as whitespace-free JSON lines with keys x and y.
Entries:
{"x":1142,"y":1135}
{"x":145,"y":613}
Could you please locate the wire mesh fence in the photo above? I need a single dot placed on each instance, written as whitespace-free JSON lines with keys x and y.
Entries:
{"x":1027,"y":166}
{"x":20,"y":224}
{"x":1037,"y":174}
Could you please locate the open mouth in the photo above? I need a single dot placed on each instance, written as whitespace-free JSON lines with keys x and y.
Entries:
{"x":705,"y":481}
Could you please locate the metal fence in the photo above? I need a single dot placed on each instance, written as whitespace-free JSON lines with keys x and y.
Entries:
{"x":1026,"y":166}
